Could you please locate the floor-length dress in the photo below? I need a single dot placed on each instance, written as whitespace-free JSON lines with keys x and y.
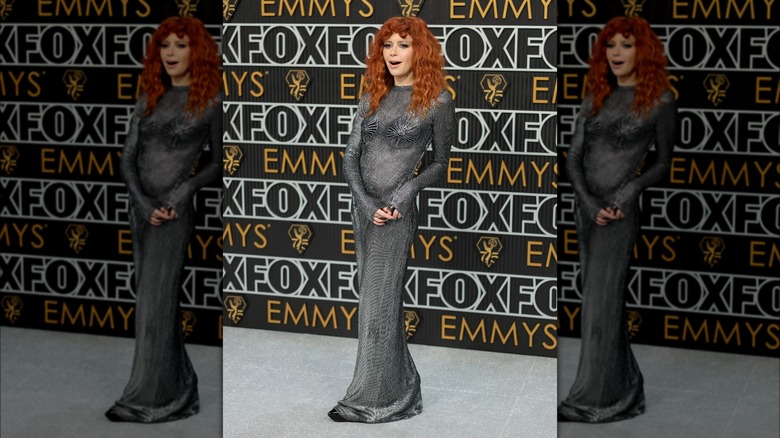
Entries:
{"x":379,"y":165}
{"x":604,"y":161}
{"x":160,"y":153}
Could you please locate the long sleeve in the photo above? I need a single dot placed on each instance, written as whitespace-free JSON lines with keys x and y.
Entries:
{"x":441,"y":141}
{"x":181,"y":196}
{"x":365,"y":204}
{"x":128,"y":165}
{"x":665,"y":133}
{"x":574,"y":167}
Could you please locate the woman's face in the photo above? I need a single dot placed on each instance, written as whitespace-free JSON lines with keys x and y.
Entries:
{"x":399,"y":54}
{"x":621,"y":54}
{"x":175,"y":55}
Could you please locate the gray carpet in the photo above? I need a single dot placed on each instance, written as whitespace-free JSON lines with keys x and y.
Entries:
{"x":689,"y":394}
{"x":57,"y":384}
{"x":283,"y":384}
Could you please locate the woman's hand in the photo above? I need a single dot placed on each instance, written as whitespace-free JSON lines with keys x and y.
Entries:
{"x":385,"y":214}
{"x":607,"y":215}
{"x":161,"y":215}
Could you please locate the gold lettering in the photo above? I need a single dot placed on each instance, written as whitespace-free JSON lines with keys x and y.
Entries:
{"x":452,"y":168}
{"x":445,"y":241}
{"x":272,"y":310}
{"x":126,"y":317}
{"x":753,"y":333}
{"x":124,"y":242}
{"x":298,"y":4}
{"x":704,"y":328}
{"x":324,"y":321}
{"x":748,"y":3}
{"x":48,"y":310}
{"x":531,"y":332}
{"x":503,"y":171}
{"x":302,"y":313}
{"x":726,"y":338}
{"x":454,"y":4}
{"x":464,"y":327}
{"x":73,"y":318}
{"x":548,"y":330}
{"x":539,"y":89}
{"x":668,"y":325}
{"x":714,"y":4}
{"x":349,"y":315}
{"x":322,"y":8}
{"x":268,"y":159}
{"x":511,"y":332}
{"x":757,"y":252}
{"x":445,"y":326}
{"x":366,"y":13}
{"x":47,"y":159}
{"x":93,"y":316}
{"x":771,"y":330}
{"x":347,"y":243}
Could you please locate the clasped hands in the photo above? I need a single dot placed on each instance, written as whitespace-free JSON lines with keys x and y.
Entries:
{"x":609,"y":214}
{"x":385,"y":214}
{"x":161,"y":215}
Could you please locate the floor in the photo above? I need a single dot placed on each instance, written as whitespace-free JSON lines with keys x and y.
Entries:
{"x":279,"y":384}
{"x":689,"y":394}
{"x":57,"y":384}
{"x":282,"y":385}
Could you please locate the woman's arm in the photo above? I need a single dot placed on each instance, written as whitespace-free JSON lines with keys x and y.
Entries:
{"x":366,"y":204}
{"x":665,"y":130}
{"x":441,"y":140}
{"x":574,"y":170}
{"x":128,"y":164}
{"x":181,"y":196}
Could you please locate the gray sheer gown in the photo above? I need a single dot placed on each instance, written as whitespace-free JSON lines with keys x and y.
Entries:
{"x":379,"y":163}
{"x":157,"y":163}
{"x":605,"y":154}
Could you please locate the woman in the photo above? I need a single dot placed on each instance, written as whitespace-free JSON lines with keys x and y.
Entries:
{"x":629,"y":109}
{"x":404,"y":109}
{"x":177,"y":115}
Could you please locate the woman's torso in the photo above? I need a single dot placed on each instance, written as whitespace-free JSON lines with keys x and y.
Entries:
{"x":170,"y":142}
{"x":392,"y":143}
{"x":616,"y":143}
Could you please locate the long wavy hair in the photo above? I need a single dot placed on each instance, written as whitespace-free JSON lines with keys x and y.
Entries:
{"x":204,"y":64}
{"x":650,"y":64}
{"x":427,"y":64}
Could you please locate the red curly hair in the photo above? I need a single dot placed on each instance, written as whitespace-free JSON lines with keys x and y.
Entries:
{"x":427,"y":65}
{"x":204,"y":64}
{"x":650,"y":64}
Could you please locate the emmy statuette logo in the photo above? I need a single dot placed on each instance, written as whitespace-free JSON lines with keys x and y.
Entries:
{"x":187,"y":322}
{"x":12,"y":307}
{"x":8,"y":158}
{"x":489,"y":249}
{"x":187,"y":8}
{"x":235,"y":306}
{"x":410,"y":8}
{"x":74,"y":82}
{"x":298,"y":81}
{"x":77,"y":237}
{"x":712,"y":249}
{"x":493,"y":85}
{"x":228,"y":9}
{"x":716,"y":86}
{"x":300,"y":235}
{"x":634,"y":321}
{"x":411,"y":322}
{"x":232,"y":158}
{"x":632,"y":8}
{"x":6,"y":6}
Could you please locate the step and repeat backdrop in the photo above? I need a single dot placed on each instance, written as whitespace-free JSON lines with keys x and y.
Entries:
{"x":69,"y":81}
{"x":705,"y":265}
{"x":483,"y":266}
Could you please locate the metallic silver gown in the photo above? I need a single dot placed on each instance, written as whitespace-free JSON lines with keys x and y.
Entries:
{"x":605,"y":154}
{"x":157,"y":162}
{"x":379,"y":164}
